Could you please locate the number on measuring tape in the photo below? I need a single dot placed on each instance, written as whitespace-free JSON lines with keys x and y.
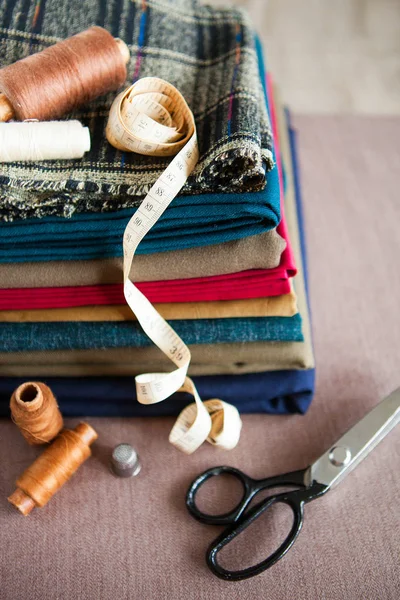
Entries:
{"x":151,"y":117}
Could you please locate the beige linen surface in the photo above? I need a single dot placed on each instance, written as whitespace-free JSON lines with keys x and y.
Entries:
{"x":255,"y":252}
{"x":106,"y":538}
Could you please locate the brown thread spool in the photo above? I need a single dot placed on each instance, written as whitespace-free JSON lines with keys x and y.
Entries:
{"x":48,"y":84}
{"x":35,"y":411}
{"x":54,"y":467}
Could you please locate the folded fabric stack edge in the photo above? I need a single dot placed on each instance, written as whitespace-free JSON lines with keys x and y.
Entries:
{"x":24,"y":337}
{"x":236,"y":228}
{"x":273,"y":392}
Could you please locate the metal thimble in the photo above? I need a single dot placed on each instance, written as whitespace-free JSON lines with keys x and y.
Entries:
{"x":125,"y":461}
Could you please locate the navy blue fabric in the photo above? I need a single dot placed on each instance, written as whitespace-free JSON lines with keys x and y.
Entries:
{"x":68,"y":335}
{"x":274,"y":392}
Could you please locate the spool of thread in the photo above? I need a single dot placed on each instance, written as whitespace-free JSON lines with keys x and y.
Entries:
{"x":53,"y":468}
{"x":35,"y":411}
{"x":51,"y":83}
{"x":50,"y":140}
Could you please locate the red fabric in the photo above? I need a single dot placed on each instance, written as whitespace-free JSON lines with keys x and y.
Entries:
{"x":247,"y":284}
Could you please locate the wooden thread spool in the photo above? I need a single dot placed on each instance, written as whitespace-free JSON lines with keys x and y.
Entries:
{"x":48,"y":84}
{"x":35,"y":411}
{"x":54,"y":467}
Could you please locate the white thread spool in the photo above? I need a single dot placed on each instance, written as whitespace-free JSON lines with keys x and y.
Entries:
{"x":50,"y":140}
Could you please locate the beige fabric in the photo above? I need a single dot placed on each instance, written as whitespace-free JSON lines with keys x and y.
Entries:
{"x":106,"y":538}
{"x":276,"y":306}
{"x":255,"y":252}
{"x":253,"y":357}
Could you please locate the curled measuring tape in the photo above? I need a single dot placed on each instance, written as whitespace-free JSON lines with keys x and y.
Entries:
{"x":152,"y":117}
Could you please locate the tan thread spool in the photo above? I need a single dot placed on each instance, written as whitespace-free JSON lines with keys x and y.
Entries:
{"x":35,"y":411}
{"x":51,"y":83}
{"x":53,"y":468}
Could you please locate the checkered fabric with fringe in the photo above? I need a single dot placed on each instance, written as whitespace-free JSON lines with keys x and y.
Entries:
{"x":207,"y":53}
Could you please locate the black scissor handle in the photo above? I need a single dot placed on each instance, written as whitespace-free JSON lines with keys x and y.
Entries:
{"x":295,"y":500}
{"x":227,"y":536}
{"x":226,"y":518}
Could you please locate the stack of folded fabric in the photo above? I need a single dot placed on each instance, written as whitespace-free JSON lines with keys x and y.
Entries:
{"x":225,"y":264}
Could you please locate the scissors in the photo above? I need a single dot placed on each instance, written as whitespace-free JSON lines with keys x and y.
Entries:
{"x":312,"y":482}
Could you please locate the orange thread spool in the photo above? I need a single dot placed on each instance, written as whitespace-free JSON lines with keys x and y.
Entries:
{"x":35,"y":411}
{"x":51,"y":83}
{"x":53,"y":468}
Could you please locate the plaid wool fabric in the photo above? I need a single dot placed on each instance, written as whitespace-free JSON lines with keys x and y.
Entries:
{"x":208,"y":54}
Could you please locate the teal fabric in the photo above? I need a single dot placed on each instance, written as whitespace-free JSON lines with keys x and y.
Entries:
{"x":83,"y":335}
{"x":189,"y":221}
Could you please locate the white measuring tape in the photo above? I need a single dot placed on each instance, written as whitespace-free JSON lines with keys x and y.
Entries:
{"x":151,"y":117}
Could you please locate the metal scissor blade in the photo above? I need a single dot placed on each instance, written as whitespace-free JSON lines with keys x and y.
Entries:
{"x":350,"y":449}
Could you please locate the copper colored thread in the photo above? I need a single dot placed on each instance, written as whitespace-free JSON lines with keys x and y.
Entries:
{"x":35,"y":411}
{"x":48,"y":84}
{"x":54,"y":467}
